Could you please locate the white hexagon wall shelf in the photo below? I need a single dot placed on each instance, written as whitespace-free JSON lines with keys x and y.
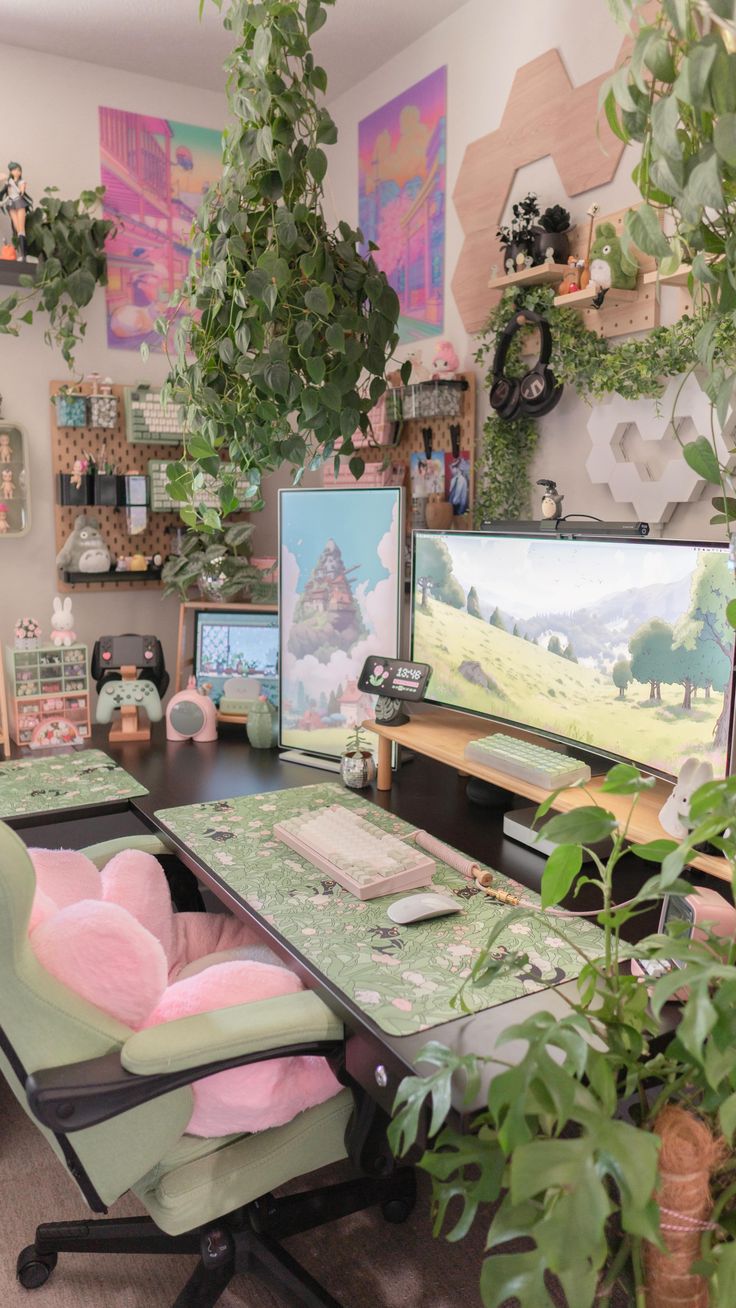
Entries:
{"x":619,"y":428}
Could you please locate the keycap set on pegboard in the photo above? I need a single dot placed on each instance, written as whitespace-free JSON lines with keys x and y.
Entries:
{"x":148,"y":420}
{"x":161,"y":502}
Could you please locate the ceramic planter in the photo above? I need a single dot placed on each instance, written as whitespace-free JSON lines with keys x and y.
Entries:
{"x":558,"y":242}
{"x":357,"y":770}
{"x":260,"y":725}
{"x":27,"y":642}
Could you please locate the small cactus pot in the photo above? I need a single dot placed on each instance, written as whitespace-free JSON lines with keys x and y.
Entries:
{"x":357,"y":769}
{"x":260,"y":725}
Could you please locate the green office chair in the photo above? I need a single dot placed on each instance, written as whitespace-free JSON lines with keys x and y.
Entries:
{"x":114,"y":1106}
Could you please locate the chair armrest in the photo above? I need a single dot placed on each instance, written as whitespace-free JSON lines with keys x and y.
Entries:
{"x":79,"y":1095}
{"x":224,"y":1033}
{"x":101,"y":853}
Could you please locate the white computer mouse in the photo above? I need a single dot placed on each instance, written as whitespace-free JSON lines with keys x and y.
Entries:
{"x":416,"y":908}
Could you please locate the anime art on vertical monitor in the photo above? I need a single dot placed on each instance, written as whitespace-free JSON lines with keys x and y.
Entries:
{"x":340,"y":579}
{"x":619,"y":646}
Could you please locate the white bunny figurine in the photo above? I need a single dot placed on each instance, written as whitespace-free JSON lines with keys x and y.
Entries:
{"x":62,"y":622}
{"x":674,"y":812}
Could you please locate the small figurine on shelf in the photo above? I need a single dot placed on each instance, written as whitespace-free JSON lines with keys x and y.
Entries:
{"x":445,"y":362}
{"x":80,"y":469}
{"x":8,"y":484}
{"x":6,"y":453}
{"x":4,"y":528}
{"x":551,"y":499}
{"x":419,"y":369}
{"x":62,"y":623}
{"x":85,"y":550}
{"x":610,"y":266}
{"x":571,"y":281}
{"x":15,"y":202}
{"x":27,"y":633}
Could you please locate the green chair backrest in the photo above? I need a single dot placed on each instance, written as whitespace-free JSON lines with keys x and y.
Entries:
{"x":47,"y":1025}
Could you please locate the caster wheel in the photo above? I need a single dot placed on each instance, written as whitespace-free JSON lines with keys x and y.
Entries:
{"x":397,"y":1211}
{"x":33,"y":1269}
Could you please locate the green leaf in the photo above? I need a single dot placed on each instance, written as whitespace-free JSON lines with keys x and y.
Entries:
{"x":731,"y":613}
{"x":700,"y":456}
{"x":724,"y":138}
{"x":655,"y":851}
{"x":316,"y":299}
{"x":584,"y":826}
{"x":560,"y":871}
{"x":316,"y":163}
{"x":643,"y":227}
{"x":357,"y":467}
{"x":315,"y":366}
{"x":81,"y":286}
{"x":623,"y":779}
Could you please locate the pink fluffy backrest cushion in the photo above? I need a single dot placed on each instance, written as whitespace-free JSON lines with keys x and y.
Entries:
{"x":100,"y":952}
{"x":65,"y":875}
{"x":245,"y":1098}
{"x":136,"y":881}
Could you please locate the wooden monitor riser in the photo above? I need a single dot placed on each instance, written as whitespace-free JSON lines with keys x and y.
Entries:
{"x":442,"y":734}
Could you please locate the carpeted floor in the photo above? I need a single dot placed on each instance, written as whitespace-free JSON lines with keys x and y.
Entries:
{"x":362,"y":1261}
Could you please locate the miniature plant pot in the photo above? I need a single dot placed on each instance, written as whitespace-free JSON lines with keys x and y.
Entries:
{"x":71,"y":410}
{"x":558,"y":242}
{"x":357,"y":769}
{"x":103,"y":410}
{"x":109,"y":489}
{"x":69,"y":493}
{"x":260,"y":725}
{"x":27,"y":642}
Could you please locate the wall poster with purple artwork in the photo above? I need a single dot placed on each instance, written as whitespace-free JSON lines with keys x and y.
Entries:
{"x":155,"y":172}
{"x":402,"y":158}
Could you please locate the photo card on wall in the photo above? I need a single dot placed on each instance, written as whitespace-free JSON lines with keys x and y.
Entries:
{"x":340,"y":584}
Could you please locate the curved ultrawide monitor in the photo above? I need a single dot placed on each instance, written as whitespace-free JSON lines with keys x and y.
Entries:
{"x":617,"y":646}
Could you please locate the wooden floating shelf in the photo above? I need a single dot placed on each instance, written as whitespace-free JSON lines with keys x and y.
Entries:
{"x":544,"y":274}
{"x":442,"y":734}
{"x":678,"y":278}
{"x":584,"y":299}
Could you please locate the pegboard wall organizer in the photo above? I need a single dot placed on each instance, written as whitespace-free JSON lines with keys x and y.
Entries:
{"x":110,"y":445}
{"x":412,"y":442}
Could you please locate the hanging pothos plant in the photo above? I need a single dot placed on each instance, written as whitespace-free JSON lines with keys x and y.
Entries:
{"x":68,"y":240}
{"x":633,"y":369}
{"x":286,"y":328}
{"x":676,"y":97}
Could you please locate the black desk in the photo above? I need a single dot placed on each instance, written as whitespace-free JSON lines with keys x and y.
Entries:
{"x":425,"y":793}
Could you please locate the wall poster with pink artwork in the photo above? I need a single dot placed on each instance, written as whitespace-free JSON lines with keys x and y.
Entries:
{"x":402,"y":168}
{"x":155,"y":172}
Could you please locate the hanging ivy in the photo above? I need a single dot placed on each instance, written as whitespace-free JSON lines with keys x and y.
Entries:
{"x":287,"y":328}
{"x":633,"y":369}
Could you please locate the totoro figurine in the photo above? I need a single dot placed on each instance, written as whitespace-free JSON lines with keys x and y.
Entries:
{"x":85,"y":550}
{"x":610,"y":267}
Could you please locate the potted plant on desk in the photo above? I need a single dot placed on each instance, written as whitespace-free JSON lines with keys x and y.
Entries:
{"x":357,"y":764}
{"x":218,"y":563}
{"x":569,"y":1161}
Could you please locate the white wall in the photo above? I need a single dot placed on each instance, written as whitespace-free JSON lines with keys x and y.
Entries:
{"x":50,"y":119}
{"x":482,"y":44}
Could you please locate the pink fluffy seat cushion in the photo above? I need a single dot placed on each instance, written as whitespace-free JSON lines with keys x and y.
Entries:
{"x":100,"y":952}
{"x":245,"y":1098}
{"x":195,"y":935}
{"x":65,"y":875}
{"x":136,"y":881}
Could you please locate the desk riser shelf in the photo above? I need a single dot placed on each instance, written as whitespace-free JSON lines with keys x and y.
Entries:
{"x":442,"y":735}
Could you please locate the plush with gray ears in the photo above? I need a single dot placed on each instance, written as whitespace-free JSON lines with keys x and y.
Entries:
{"x":674,"y":812}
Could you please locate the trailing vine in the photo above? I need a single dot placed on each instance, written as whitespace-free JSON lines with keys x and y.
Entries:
{"x":634,"y":369}
{"x":286,"y":328}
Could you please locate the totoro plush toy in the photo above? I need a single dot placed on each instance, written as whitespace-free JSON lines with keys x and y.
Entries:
{"x":85,"y":550}
{"x":609,"y":266}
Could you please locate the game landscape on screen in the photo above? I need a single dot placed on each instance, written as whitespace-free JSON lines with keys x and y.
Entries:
{"x":624,"y":648}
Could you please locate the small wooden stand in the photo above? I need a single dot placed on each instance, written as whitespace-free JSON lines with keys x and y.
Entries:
{"x":442,"y":734}
{"x":132,"y":726}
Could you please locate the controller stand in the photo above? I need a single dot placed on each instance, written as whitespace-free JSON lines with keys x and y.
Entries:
{"x":133,"y":726}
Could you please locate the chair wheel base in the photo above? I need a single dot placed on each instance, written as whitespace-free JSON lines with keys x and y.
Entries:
{"x":33,"y":1269}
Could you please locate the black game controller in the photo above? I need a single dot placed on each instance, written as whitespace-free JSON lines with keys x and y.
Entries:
{"x":111,"y":653}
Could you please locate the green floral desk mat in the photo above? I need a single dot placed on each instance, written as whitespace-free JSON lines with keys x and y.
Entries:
{"x":403,"y":978}
{"x":64,"y":781}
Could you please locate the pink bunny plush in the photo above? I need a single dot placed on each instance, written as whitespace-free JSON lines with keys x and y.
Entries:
{"x":113,"y":938}
{"x":445,"y":362}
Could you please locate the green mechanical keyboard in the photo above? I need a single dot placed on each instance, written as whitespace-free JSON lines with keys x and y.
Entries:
{"x":148,"y":420}
{"x":547,"y":768}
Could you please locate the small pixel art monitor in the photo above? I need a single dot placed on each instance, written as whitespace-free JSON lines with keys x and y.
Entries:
{"x":233,"y":644}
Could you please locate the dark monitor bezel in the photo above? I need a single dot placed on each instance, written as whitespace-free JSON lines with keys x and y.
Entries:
{"x":203,"y":614}
{"x":581,"y":746}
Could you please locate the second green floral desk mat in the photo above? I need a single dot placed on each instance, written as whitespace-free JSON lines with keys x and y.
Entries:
{"x":403,"y":978}
{"x":63,"y":781}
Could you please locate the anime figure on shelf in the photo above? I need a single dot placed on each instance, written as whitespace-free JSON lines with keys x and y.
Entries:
{"x":79,"y":470}
{"x":6,"y":453}
{"x":16,"y":202}
{"x":8,"y":485}
{"x":445,"y":362}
